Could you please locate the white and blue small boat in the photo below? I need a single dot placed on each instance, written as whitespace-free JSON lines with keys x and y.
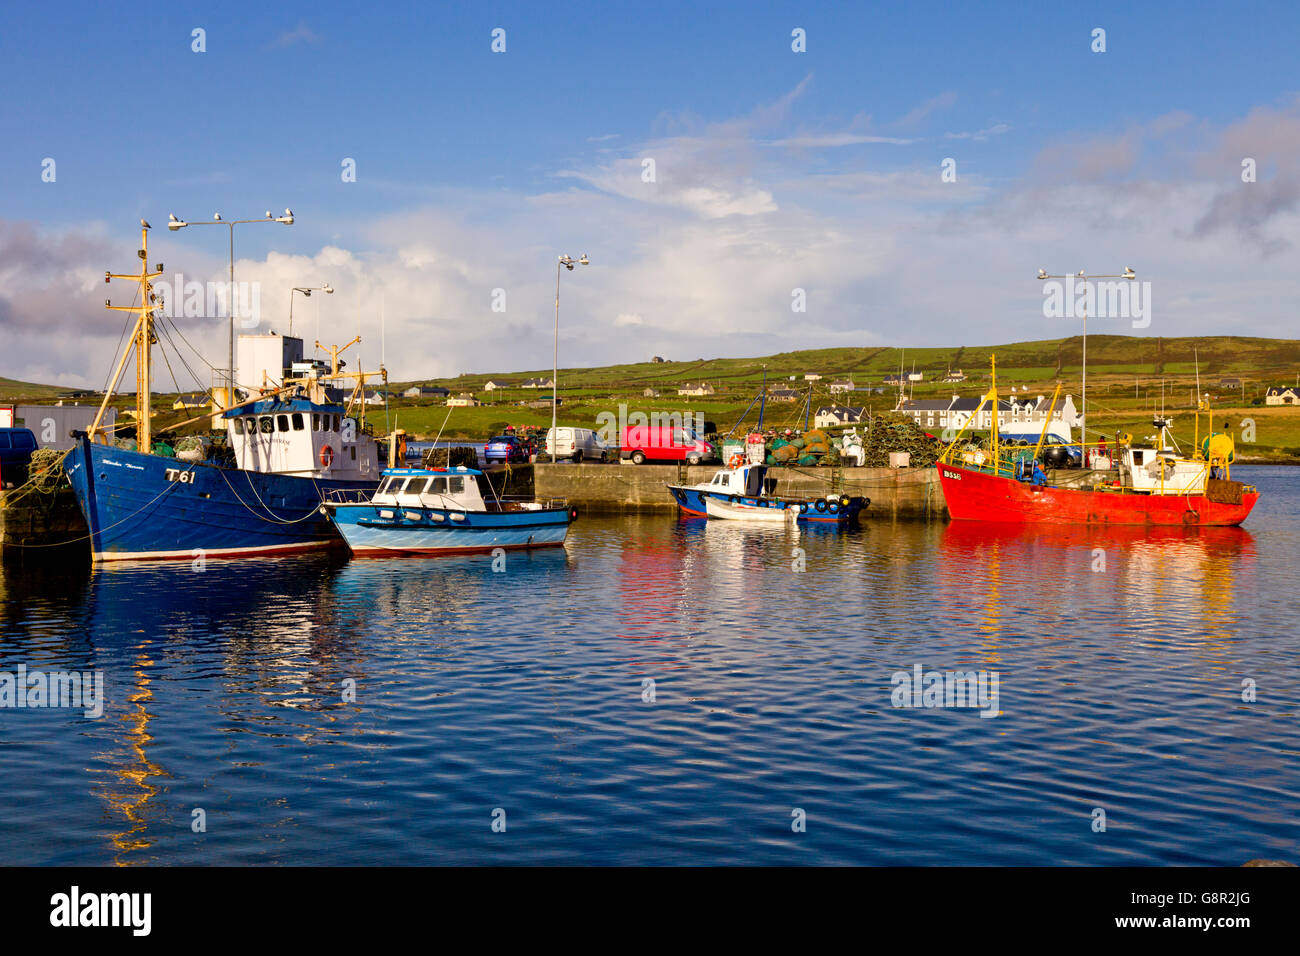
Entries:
{"x":745,"y":493}
{"x":431,"y":511}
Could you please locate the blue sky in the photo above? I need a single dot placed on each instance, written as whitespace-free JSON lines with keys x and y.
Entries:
{"x":775,"y":170}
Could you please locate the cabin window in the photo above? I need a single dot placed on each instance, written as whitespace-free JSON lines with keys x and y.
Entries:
{"x":315,"y":421}
{"x":267,"y":424}
{"x":437,"y":486}
{"x":237,"y":425}
{"x":455,"y":485}
{"x":334,"y":422}
{"x":420,"y":485}
{"x":353,"y":449}
{"x":297,"y":421}
{"x":282,"y":422}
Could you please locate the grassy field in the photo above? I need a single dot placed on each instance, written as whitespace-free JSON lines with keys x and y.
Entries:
{"x":1129,"y":378}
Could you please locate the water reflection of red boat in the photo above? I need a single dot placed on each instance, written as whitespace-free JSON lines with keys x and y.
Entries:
{"x":965,"y":537}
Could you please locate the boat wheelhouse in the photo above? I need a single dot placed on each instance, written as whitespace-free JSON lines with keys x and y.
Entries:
{"x":296,"y":436}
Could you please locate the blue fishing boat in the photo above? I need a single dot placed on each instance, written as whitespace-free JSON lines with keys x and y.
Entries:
{"x":431,"y":511}
{"x":746,"y":493}
{"x":289,"y":442}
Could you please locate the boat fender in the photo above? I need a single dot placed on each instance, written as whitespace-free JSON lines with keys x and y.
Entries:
{"x":326,"y":456}
{"x":844,"y":501}
{"x":735,"y":499}
{"x":803,"y":508}
{"x":820,"y":505}
{"x":573,"y":514}
{"x":833,"y":507}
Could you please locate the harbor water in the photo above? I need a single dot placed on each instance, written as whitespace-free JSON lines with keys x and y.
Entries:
{"x":674,"y":691}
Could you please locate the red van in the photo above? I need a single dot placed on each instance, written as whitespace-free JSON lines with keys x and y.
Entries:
{"x":644,"y":443}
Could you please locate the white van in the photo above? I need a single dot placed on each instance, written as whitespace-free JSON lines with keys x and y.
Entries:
{"x":575,"y":443}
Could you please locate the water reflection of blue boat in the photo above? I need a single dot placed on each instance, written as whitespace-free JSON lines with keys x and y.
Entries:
{"x":423,"y":511}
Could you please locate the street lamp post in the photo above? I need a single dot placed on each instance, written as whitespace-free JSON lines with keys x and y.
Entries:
{"x":1083,"y":389}
{"x":175,"y":224}
{"x":566,"y":262}
{"x":306,"y":291}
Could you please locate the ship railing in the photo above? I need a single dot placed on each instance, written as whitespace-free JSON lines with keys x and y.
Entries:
{"x":513,"y":502}
{"x":345,"y":496}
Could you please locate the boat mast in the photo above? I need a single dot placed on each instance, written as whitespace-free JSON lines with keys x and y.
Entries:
{"x":142,"y":340}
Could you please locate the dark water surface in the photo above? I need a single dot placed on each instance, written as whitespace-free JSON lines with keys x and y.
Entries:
{"x":1120,"y":689}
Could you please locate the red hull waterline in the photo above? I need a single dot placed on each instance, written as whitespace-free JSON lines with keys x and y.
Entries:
{"x":980,"y":496}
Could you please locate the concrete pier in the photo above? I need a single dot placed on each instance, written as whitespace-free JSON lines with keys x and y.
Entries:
{"x":639,"y":489}
{"x":41,"y":525}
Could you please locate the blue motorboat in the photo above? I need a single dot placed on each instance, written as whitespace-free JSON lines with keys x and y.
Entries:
{"x":746,"y":493}
{"x":432,"y":511}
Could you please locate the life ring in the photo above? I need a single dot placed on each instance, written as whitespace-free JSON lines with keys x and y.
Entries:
{"x":326,"y":456}
{"x":820,"y":505}
{"x":735,"y":460}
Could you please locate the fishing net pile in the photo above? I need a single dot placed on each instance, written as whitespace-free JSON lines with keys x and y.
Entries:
{"x":868,"y":444}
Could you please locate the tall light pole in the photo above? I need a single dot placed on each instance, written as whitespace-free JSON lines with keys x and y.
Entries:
{"x":1083,"y":390}
{"x":175,"y":224}
{"x":566,"y":262}
{"x":306,"y":290}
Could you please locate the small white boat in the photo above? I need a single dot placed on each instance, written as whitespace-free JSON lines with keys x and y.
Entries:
{"x":741,"y":511}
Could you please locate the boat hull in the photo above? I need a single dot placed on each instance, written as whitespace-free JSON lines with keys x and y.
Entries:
{"x":146,"y":508}
{"x":369,"y":534}
{"x":973,"y":495}
{"x":689,"y":500}
{"x":718,"y":508}
{"x":776,"y":510}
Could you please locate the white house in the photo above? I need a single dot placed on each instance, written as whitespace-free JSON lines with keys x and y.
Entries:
{"x":650,"y":393}
{"x":811,"y":377}
{"x":492,"y":384}
{"x":1282,"y":395}
{"x":463,"y":400}
{"x":538,"y":383}
{"x":844,"y":386}
{"x":1021,"y":417}
{"x":953,"y":378}
{"x":783,"y":394}
{"x":829,"y":415}
{"x":704,"y":388}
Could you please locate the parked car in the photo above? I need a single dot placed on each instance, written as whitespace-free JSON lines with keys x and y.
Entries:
{"x":642,"y":443}
{"x":16,"y":447}
{"x":505,"y":448}
{"x":575,"y":443}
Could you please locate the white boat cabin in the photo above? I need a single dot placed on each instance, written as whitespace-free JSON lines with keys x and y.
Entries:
{"x":747,"y":480}
{"x":299,"y":437}
{"x":1162,"y":471}
{"x":455,"y":489}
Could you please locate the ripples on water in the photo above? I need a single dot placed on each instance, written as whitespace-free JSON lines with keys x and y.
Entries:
{"x":1120,"y":689}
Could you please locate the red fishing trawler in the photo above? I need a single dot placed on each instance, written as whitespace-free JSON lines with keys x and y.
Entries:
{"x":1138,"y":486}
